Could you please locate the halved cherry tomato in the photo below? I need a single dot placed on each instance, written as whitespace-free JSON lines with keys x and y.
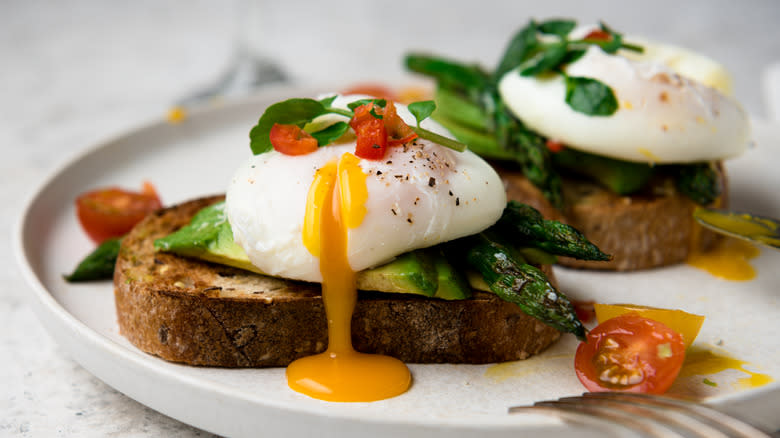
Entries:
{"x":112,"y":212}
{"x":370,"y":131}
{"x":555,"y":146}
{"x":398,"y":132}
{"x":371,"y":122}
{"x":371,"y":139}
{"x":630,"y":353}
{"x":292,"y":140}
{"x":598,"y":35}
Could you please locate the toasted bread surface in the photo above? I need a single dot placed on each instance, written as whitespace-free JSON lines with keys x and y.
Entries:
{"x":640,"y":231}
{"x":199,"y":313}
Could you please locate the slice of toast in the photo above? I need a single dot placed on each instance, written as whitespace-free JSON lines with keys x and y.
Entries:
{"x":199,"y":313}
{"x":644,"y":231}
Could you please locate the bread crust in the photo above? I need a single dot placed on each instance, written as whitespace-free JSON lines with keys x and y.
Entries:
{"x":640,"y":232}
{"x":198,"y":313}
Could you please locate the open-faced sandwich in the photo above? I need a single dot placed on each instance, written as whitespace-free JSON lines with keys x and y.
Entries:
{"x":345,"y":193}
{"x":620,"y":140}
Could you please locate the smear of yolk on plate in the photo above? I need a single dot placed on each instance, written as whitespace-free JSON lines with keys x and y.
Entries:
{"x":177,"y":114}
{"x":336,"y":202}
{"x":706,"y":362}
{"x":729,"y":260}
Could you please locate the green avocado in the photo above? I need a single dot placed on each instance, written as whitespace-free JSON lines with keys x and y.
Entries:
{"x":452,"y":284}
{"x":209,"y":237}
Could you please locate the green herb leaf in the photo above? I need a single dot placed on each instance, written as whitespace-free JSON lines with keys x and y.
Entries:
{"x":328,"y":101}
{"x":422,"y":110}
{"x":614,"y":43}
{"x":331,"y":133}
{"x":378,"y":102}
{"x":547,"y":59}
{"x":590,"y":96}
{"x":572,"y":55}
{"x":518,"y":50}
{"x":289,"y":112}
{"x":562,"y":28}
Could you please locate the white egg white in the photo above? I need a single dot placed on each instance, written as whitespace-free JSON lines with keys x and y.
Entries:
{"x":662,"y":117}
{"x":419,"y":195}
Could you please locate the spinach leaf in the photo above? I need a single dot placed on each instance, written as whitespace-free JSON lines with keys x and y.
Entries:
{"x":544,"y":61}
{"x":562,"y":28}
{"x":518,"y":50}
{"x":590,"y":96}
{"x":331,"y":133}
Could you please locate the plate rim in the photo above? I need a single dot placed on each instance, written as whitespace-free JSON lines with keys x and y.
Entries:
{"x":46,"y":305}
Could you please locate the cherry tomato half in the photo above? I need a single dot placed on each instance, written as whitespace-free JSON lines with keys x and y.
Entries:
{"x":630,"y":353}
{"x":598,"y":35}
{"x":112,"y":212}
{"x":555,"y":146}
{"x":291,"y":140}
{"x":376,"y":128}
{"x":370,"y":131}
{"x":398,"y":132}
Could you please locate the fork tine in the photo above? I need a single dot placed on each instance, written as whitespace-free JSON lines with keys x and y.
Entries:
{"x":728,"y":425}
{"x":585,"y":414}
{"x":651,"y":415}
{"x":673,"y":419}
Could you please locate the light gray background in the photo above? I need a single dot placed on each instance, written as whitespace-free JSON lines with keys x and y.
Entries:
{"x":74,"y":73}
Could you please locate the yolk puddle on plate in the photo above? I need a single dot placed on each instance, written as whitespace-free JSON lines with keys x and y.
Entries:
{"x":729,"y":260}
{"x":341,"y":373}
{"x":705,"y":362}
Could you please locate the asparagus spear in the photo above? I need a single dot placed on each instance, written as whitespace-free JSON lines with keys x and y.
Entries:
{"x":97,"y":265}
{"x":513,"y":280}
{"x":528,"y":226}
{"x":700,"y":182}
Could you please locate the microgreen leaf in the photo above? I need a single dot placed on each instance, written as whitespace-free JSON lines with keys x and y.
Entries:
{"x":331,"y":133}
{"x":378,"y":102}
{"x":572,"y":55}
{"x":547,"y":59}
{"x":590,"y":96}
{"x":562,"y":28}
{"x":328,"y":101}
{"x":422,"y":110}
{"x":614,"y":43}
{"x":289,"y":112}
{"x":518,"y":50}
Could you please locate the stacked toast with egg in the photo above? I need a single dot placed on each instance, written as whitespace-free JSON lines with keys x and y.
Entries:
{"x":623,"y":141}
{"x":259,"y":303}
{"x":192,"y":311}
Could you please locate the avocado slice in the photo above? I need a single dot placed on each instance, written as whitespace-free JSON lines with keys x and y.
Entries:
{"x":452,"y":284}
{"x":209,"y":237}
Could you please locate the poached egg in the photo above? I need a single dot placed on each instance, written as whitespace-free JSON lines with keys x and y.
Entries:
{"x":418,"y":195}
{"x":327,"y":214}
{"x":663,"y":115}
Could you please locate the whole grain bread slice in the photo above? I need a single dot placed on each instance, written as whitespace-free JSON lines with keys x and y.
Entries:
{"x":199,"y":313}
{"x":649,"y":230}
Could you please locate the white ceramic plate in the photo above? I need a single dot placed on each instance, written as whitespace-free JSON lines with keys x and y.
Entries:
{"x":198,"y":156}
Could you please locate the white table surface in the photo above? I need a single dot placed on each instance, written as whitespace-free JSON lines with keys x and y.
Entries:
{"x":73,"y":74}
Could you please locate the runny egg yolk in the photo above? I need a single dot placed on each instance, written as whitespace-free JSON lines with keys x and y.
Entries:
{"x":335,"y":203}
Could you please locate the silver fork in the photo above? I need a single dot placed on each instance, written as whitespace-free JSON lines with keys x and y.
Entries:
{"x":648,"y":415}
